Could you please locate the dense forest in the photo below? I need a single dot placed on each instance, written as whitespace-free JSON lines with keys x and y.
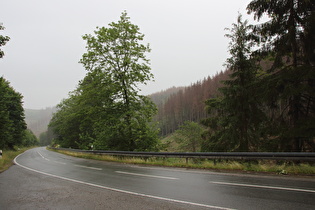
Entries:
{"x":264,"y":101}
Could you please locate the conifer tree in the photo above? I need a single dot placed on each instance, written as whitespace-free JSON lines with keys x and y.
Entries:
{"x":288,"y":39}
{"x":235,"y":116}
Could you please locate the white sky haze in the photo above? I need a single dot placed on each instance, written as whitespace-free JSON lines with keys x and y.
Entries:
{"x":41,"y":58}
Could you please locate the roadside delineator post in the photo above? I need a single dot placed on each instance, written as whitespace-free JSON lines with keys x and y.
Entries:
{"x":0,"y":153}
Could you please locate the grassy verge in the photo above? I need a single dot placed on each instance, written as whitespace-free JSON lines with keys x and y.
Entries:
{"x":7,"y":157}
{"x":273,"y":167}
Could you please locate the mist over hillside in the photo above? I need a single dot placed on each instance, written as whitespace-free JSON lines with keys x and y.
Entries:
{"x":38,"y":120}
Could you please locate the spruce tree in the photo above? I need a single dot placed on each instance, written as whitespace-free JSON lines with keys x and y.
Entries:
{"x":236,"y":114}
{"x":288,"y":39}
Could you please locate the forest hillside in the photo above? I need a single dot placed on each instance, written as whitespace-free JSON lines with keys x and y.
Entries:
{"x":177,"y":105}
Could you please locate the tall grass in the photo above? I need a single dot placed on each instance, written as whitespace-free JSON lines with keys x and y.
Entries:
{"x":273,"y":167}
{"x":8,"y":156}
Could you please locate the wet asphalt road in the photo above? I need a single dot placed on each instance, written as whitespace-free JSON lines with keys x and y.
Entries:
{"x":47,"y":180}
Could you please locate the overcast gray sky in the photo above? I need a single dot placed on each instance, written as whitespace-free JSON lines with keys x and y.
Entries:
{"x":41,"y":59}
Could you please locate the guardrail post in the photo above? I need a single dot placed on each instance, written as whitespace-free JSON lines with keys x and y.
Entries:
{"x":186,"y":160}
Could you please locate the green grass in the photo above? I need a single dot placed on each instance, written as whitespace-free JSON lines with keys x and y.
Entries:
{"x":241,"y":166}
{"x":8,"y":156}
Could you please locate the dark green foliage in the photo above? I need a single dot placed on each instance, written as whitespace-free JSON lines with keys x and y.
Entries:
{"x":107,"y":111}
{"x":12,"y":124}
{"x":235,"y":117}
{"x":288,"y":38}
{"x":65,"y":123}
{"x":29,"y":139}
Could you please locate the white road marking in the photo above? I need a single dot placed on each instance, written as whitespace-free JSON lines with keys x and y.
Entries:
{"x":49,"y":160}
{"x":121,"y":191}
{"x":42,"y":156}
{"x":99,"y":169}
{"x":263,"y":186}
{"x":146,"y":175}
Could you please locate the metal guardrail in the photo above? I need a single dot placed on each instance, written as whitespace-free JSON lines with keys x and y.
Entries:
{"x":296,"y":156}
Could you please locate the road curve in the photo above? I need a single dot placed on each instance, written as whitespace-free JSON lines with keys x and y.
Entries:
{"x":185,"y":189}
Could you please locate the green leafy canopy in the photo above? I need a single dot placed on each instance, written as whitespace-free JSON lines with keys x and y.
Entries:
{"x":106,"y":110}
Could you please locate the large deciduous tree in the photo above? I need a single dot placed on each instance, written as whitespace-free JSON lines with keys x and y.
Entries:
{"x":118,"y":54}
{"x":107,"y":110}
